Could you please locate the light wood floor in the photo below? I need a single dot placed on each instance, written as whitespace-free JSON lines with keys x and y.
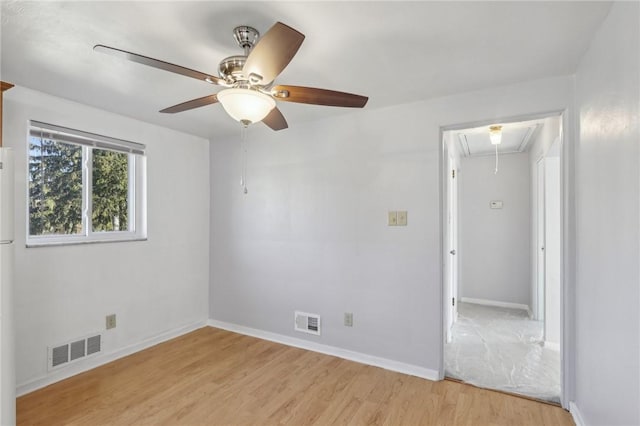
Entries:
{"x":214,"y":377}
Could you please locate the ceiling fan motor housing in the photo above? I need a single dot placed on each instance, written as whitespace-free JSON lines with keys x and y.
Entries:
{"x":230,"y":68}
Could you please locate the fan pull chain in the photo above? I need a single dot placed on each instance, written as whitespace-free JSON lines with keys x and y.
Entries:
{"x":243,"y":147}
{"x":496,"y":171}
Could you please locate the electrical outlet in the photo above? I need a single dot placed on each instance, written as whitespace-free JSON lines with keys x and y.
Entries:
{"x":393,"y":219}
{"x":402,"y":218}
{"x":348,"y":319}
{"x":111,"y":321}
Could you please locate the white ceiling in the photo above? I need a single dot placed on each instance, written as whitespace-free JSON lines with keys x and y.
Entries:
{"x":393,"y":52}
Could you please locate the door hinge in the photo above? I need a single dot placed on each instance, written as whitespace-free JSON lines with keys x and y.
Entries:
{"x":453,"y":301}
{"x":453,"y":174}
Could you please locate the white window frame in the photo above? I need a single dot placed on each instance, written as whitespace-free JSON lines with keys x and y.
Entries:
{"x":137,"y":186}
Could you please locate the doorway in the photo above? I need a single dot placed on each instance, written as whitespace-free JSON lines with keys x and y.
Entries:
{"x":502,"y":256}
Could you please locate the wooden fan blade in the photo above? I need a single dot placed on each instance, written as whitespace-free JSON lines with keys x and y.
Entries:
{"x":275,"y":120}
{"x":272,"y":54}
{"x":156,"y":63}
{"x":194,"y":103}
{"x":311,"y":95}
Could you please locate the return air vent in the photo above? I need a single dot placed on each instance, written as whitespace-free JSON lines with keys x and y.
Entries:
{"x":93,"y":345}
{"x":77,"y":349}
{"x":70,"y":352}
{"x":307,"y":323}
{"x":59,"y":355}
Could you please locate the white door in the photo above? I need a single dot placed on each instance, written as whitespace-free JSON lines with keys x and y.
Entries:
{"x":540,"y":242}
{"x":552,"y":251}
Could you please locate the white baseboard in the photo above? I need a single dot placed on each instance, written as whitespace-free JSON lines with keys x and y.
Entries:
{"x":576,"y":414}
{"x":98,"y":360}
{"x":496,"y":303}
{"x":387,"y":364}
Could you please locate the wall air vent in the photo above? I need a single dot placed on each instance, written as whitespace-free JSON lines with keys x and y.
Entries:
{"x":59,"y":355}
{"x":69,"y":352}
{"x":77,"y":349}
{"x":307,"y":323}
{"x":93,"y":345}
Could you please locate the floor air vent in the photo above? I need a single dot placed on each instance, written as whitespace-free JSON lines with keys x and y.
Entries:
{"x":69,"y":352}
{"x":307,"y":323}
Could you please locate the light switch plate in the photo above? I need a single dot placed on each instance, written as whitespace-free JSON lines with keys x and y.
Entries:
{"x":393,"y":219}
{"x":402,"y":218}
{"x":111,"y":321}
{"x":495,"y":204}
{"x":348,"y":319}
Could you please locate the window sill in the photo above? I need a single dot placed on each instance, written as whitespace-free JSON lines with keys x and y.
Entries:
{"x":79,"y":241}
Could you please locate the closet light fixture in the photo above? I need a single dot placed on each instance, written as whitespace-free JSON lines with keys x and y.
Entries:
{"x":495,"y":134}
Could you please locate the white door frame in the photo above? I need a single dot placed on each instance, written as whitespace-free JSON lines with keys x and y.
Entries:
{"x":451,"y":232}
{"x":567,"y":328}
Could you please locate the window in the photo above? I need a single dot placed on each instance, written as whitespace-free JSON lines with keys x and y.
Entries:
{"x":84,"y":187}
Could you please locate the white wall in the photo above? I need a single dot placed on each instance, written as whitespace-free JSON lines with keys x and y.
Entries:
{"x":608,"y":228}
{"x":155,"y":287}
{"x":495,"y":243}
{"x":312,"y":234}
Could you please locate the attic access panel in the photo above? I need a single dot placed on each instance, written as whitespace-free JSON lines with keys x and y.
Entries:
{"x":475,"y":142}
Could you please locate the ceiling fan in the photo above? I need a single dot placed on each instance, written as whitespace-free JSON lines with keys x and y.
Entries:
{"x":249,"y":95}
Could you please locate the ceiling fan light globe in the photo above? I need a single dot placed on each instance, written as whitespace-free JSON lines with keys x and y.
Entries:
{"x":246,"y":105}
